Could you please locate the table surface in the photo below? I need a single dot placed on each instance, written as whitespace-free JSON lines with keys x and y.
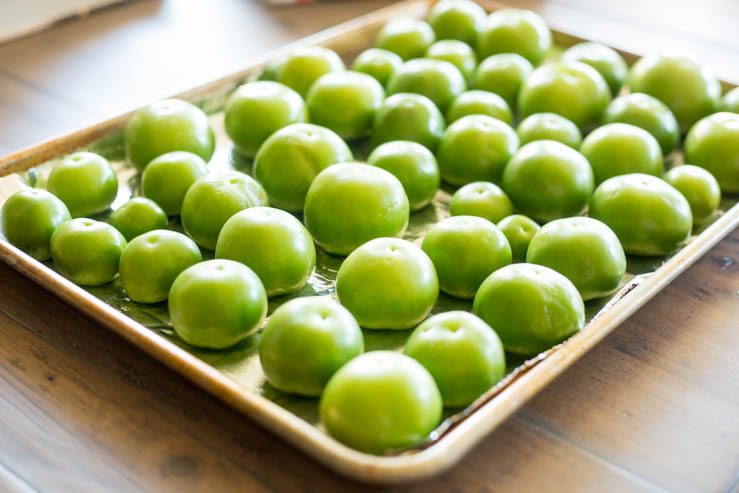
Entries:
{"x":655,"y":406}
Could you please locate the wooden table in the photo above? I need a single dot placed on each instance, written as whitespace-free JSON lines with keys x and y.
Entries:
{"x":654,"y":407}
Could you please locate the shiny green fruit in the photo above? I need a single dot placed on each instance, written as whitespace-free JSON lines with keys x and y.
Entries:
{"x":481,"y":199}
{"x":85,"y":182}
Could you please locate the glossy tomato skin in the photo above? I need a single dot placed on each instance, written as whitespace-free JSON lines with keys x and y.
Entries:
{"x":29,"y":218}
{"x":459,"y":54}
{"x":515,"y":31}
{"x":549,"y":126}
{"x":378,"y":63}
{"x":699,"y":187}
{"x":713,"y":144}
{"x":438,"y":80}
{"x":482,"y":199}
{"x":301,"y":68}
{"x":408,"y":38}
{"x":647,"y":112}
{"x":411,"y":117}
{"x":85,"y":182}
{"x":168,"y":177}
{"x":138,"y":216}
{"x":503,"y":74}
{"x":519,"y":230}
{"x":478,"y":102}
{"x":602,"y":58}
{"x":457,"y":19}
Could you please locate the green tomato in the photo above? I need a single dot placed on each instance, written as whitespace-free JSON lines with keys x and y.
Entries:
{"x":651,"y":114}
{"x":602,"y":58}
{"x":213,"y":199}
{"x":584,"y":250}
{"x":379,"y":401}
{"x":688,"y":89}
{"x":438,"y":80}
{"x":358,"y":95}
{"x":273,"y":244}
{"x":349,"y":204}
{"x":85,"y":182}
{"x":258,"y":109}
{"x":571,"y":89}
{"x":465,"y":250}
{"x":29,"y":218}
{"x":547,"y":180}
{"x":619,"y":148}
{"x":270,"y":70}
{"x":462,"y":353}
{"x":518,"y":230}
{"x":152,"y":261}
{"x":216,"y":303}
{"x":515,"y":31}
{"x":388,"y":283}
{"x":300,"y":69}
{"x":166,"y":126}
{"x":503,"y":75}
{"x":649,"y":216}
{"x":168,"y":177}
{"x":87,"y":251}
{"x":730,"y":101}
{"x":378,"y":63}
{"x":406,"y":37}
{"x":475,"y":148}
{"x":531,"y":307}
{"x":457,"y":19}
{"x":455,"y":52}
{"x":290,"y":159}
{"x":408,"y":117}
{"x":699,"y":187}
{"x":138,"y":216}
{"x":481,"y":199}
{"x":479,"y":103}
{"x":549,"y":126}
{"x":413,"y":165}
{"x":305,"y":342}
{"x":713,"y":144}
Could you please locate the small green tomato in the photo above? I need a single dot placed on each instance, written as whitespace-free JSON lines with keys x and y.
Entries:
{"x":602,"y":58}
{"x":455,"y":52}
{"x":167,"y":178}
{"x":503,"y":75}
{"x":378,"y":63}
{"x":438,"y":80}
{"x":85,"y":182}
{"x":138,"y":216}
{"x":457,"y":19}
{"x":479,"y":103}
{"x":713,"y":144}
{"x":481,"y":199}
{"x":549,"y":126}
{"x":29,"y":218}
{"x":515,"y":31}
{"x":406,"y":37}
{"x":519,"y":230}
{"x":408,"y":117}
{"x":651,"y":114}
{"x":300,"y":69}
{"x":699,"y":187}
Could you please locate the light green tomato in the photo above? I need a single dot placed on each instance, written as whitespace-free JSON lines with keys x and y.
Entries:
{"x":455,"y":52}
{"x":602,"y":58}
{"x":503,"y":74}
{"x":273,"y":244}
{"x":519,"y":230}
{"x":258,"y":109}
{"x":438,"y":80}
{"x":29,"y":218}
{"x":217,"y":303}
{"x":462,"y":353}
{"x":651,"y":114}
{"x":87,"y":252}
{"x":301,"y":68}
{"x":549,"y":126}
{"x":85,"y":182}
{"x":479,"y":103}
{"x":213,"y":199}
{"x":413,"y":165}
{"x":152,"y":261}
{"x":305,"y":342}
{"x":584,"y":250}
{"x":475,"y":148}
{"x":649,"y":216}
{"x":515,"y":31}
{"x":730,"y":101}
{"x":465,"y":250}
{"x":713,"y":144}
{"x":531,"y":307}
{"x":408,"y":117}
{"x":167,"y":178}
{"x":378,"y":63}
{"x":381,"y":401}
{"x":388,"y":283}
{"x":406,"y":37}
{"x":481,"y":199}
{"x":138,"y":216}
{"x":457,"y":19}
{"x":699,"y":187}
{"x":349,"y":204}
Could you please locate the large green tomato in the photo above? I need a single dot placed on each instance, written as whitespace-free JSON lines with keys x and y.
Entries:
{"x":457,"y":19}
{"x":258,"y":109}
{"x":475,"y":148}
{"x":349,"y":204}
{"x":479,"y":103}
{"x":301,"y":68}
{"x":651,"y":114}
{"x":413,"y":165}
{"x":290,"y":159}
{"x":216,"y":303}
{"x":305,"y":342}
{"x":166,"y":126}
{"x":86,"y":251}
{"x":462,"y":353}
{"x":358,"y":95}
{"x":408,"y":117}
{"x":168,"y":177}
{"x":151,"y":262}
{"x":408,"y":38}
{"x":515,"y":31}
{"x":85,"y":182}
{"x":730,"y":101}
{"x":138,"y":216}
{"x":213,"y":199}
{"x":699,"y":187}
{"x":688,"y":89}
{"x":273,"y":244}
{"x":519,"y":230}
{"x":29,"y":218}
{"x":503,"y":75}
{"x":547,"y":180}
{"x":619,"y":148}
{"x":549,"y":126}
{"x":602,"y":58}
{"x":649,"y":216}
{"x":571,"y":89}
{"x":584,"y":250}
{"x":481,"y":199}
{"x":378,"y":63}
{"x":531,"y":307}
{"x":455,"y":52}
{"x":713,"y":144}
{"x":465,"y":250}
{"x":388,"y":283}
{"x":438,"y":80}
{"x":379,"y":401}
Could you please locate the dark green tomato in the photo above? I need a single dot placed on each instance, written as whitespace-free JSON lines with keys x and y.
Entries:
{"x":713,"y":144}
{"x":515,"y":31}
{"x":406,"y":37}
{"x":730,"y":101}
{"x":455,"y":52}
{"x":481,"y":199}
{"x":85,"y":182}
{"x":457,"y":19}
{"x":651,"y":114}
{"x":479,"y":103}
{"x":138,"y":216}
{"x":408,"y":117}
{"x":602,"y":58}
{"x":438,"y":80}
{"x":503,"y":75}
{"x":699,"y":187}
{"x":549,"y":126}
{"x":168,"y":177}
{"x":519,"y":230}
{"x":378,"y":63}
{"x":301,"y":68}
